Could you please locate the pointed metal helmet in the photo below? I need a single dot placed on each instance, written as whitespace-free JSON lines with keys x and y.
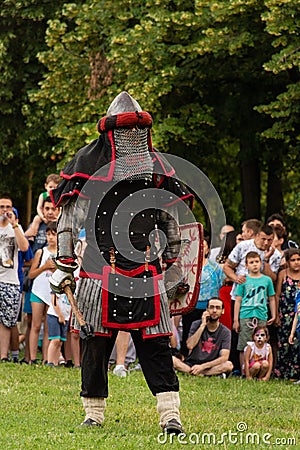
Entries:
{"x":123,"y":103}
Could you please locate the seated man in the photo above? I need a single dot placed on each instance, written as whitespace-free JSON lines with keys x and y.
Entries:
{"x":209,"y":344}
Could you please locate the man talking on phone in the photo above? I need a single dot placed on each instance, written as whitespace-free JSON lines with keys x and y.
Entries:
{"x":208,"y":343}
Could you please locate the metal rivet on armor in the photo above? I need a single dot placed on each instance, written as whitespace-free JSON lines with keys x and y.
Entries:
{"x":115,"y":298}
{"x":143,"y":215}
{"x":115,"y":315}
{"x":151,"y":215}
{"x":116,"y":213}
{"x":171,"y":197}
{"x":104,"y":212}
{"x":116,"y":232}
{"x":144,"y":195}
{"x":131,"y":252}
{"x":131,"y":214}
{"x":116,"y":193}
{"x":131,"y":287}
{"x":145,"y":298}
{"x":145,"y":314}
{"x":131,"y":232}
{"x":130,"y":301}
{"x":117,"y":279}
{"x":115,"y":310}
{"x":130,"y":195}
{"x":144,"y":234}
{"x":116,"y":284}
{"x":103,"y":232}
{"x":131,"y":282}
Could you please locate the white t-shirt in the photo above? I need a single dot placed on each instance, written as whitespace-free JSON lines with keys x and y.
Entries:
{"x":258,"y":354}
{"x":8,"y":255}
{"x":238,"y":256}
{"x":64,"y":305}
{"x":41,"y":285}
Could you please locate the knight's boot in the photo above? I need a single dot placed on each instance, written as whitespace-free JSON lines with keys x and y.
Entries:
{"x":168,"y":408}
{"x":94,"y":410}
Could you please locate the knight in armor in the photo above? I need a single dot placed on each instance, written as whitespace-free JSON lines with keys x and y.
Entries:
{"x":125,"y":192}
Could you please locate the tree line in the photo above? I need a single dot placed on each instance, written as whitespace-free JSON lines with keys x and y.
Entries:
{"x":220,"y":78}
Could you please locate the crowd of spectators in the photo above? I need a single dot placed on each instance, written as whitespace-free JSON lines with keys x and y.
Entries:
{"x":245,"y":323}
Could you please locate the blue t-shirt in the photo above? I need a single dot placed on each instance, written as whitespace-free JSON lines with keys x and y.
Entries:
{"x":211,"y":281}
{"x":255,"y":293}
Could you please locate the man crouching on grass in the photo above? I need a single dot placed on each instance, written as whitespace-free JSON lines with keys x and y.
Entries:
{"x":208,"y":343}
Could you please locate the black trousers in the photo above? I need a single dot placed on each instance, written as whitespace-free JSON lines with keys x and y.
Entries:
{"x":154,"y":356}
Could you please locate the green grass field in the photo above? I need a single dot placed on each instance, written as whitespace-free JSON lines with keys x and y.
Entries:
{"x":41,"y":409}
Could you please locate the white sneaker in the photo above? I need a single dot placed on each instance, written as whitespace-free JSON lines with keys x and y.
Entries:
{"x":297,"y":382}
{"x":136,"y":367}
{"x":120,"y":371}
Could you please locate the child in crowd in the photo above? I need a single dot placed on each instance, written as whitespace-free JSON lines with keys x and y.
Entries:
{"x":42,"y":267}
{"x":296,"y":328}
{"x":58,"y":316}
{"x":52,"y":182}
{"x":251,"y":303}
{"x":258,"y":359}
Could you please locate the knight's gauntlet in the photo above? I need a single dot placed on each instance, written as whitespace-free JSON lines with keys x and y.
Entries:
{"x":59,"y":280}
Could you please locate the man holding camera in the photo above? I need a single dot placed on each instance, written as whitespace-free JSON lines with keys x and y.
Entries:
{"x":209,"y":344}
{"x":12,"y":239}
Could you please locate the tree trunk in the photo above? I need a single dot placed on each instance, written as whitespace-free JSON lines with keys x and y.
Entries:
{"x":275,"y":202}
{"x":29,"y":198}
{"x":250,"y":183}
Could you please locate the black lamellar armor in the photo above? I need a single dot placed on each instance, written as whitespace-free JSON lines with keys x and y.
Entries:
{"x":122,"y":192}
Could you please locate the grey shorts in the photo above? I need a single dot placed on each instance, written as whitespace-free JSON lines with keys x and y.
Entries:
{"x":246,"y":330}
{"x":10,"y":303}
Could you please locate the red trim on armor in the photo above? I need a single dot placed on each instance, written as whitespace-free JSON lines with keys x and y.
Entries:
{"x":141,"y":119}
{"x":172,"y":171}
{"x":109,"y":334}
{"x":69,"y":194}
{"x":127,"y":326}
{"x":189,"y":196}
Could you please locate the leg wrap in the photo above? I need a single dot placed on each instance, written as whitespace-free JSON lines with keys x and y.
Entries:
{"x":168,"y":406}
{"x":94,"y":408}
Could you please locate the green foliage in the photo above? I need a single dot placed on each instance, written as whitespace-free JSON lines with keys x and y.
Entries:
{"x":283,"y":24}
{"x":221,"y":79}
{"x":43,"y":411}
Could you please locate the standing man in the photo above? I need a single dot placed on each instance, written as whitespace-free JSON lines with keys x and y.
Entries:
{"x":12,"y":239}
{"x":235,"y":266}
{"x":130,"y":186}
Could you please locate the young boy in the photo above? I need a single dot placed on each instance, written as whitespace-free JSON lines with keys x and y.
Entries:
{"x":251,"y":302}
{"x":58,"y":316}
{"x":52,"y":182}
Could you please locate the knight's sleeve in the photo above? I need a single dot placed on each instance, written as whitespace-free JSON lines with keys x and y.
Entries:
{"x":171,"y":213}
{"x":70,"y":222}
